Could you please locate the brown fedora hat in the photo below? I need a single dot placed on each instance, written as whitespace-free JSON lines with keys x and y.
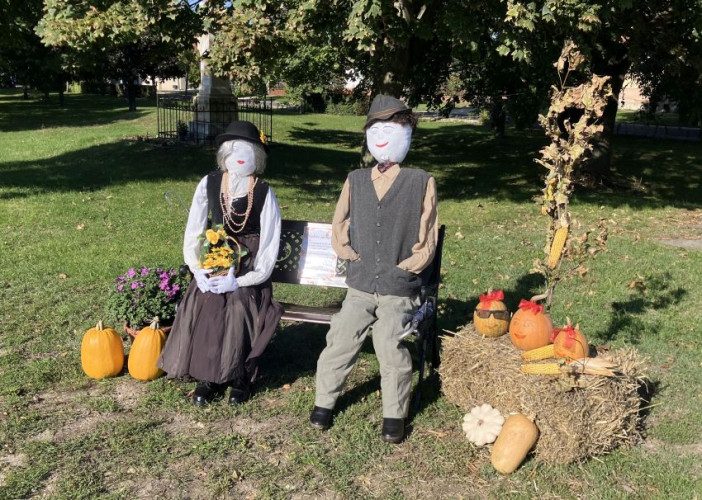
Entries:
{"x":384,"y":107}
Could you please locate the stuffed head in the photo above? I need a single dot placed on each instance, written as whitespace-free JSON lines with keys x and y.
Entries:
{"x":242,"y":150}
{"x":389,"y":128}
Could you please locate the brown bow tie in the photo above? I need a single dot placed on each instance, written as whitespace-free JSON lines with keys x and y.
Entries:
{"x":383,"y":167}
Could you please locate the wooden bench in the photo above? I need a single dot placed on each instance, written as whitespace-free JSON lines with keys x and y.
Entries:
{"x":306,"y":258}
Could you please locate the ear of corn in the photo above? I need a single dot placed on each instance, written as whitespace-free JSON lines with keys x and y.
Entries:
{"x":592,"y":366}
{"x":538,"y":354}
{"x":559,"y":239}
{"x":542,"y":369}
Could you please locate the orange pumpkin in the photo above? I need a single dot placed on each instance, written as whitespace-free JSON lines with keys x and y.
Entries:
{"x":491,"y":317}
{"x":145,"y":351}
{"x":101,"y":352}
{"x":570,"y":343}
{"x":530,"y":327}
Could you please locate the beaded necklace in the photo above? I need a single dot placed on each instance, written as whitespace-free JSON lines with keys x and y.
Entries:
{"x":228,"y":212}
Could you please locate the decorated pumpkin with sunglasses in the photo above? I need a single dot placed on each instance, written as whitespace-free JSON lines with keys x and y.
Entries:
{"x":491,"y":317}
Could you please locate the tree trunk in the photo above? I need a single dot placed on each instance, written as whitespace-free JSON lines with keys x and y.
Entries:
{"x":613,"y":63}
{"x":131,"y":95}
{"x":25,"y":94}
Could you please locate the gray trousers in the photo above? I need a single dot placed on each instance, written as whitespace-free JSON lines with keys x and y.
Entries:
{"x":387,"y":315}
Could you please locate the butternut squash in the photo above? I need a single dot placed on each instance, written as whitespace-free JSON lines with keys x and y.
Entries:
{"x":518,"y":436}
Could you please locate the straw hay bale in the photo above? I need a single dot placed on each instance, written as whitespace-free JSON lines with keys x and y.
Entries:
{"x":577,"y":417}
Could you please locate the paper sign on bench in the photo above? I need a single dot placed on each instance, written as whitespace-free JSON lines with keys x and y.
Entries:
{"x":318,"y":262}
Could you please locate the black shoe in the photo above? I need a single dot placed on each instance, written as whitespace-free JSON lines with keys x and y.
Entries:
{"x":393,"y":430}
{"x":238,"y":396}
{"x":321,"y":418}
{"x":203,"y":393}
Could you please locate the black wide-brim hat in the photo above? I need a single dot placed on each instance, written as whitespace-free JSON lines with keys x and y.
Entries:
{"x":241,"y":130}
{"x":384,"y":107}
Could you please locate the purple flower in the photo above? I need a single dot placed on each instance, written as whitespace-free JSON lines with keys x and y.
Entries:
{"x":131,"y":273}
{"x":119,"y":279}
{"x":163,"y":285}
{"x":144,"y":271}
{"x":136,"y":284}
{"x":120,"y":288}
{"x":164,"y":276}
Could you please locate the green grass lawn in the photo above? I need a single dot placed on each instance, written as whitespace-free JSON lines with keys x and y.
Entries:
{"x":82,"y":200}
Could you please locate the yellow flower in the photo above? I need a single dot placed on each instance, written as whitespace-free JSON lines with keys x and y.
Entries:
{"x":212,"y":237}
{"x":222,"y":232}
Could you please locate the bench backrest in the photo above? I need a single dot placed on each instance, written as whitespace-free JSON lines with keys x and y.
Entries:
{"x":306,"y":257}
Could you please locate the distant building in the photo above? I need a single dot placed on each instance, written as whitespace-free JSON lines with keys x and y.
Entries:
{"x":167,"y":84}
{"x":631,"y":97}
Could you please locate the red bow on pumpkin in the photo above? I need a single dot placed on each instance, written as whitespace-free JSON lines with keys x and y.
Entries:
{"x":531,"y":306}
{"x":496,"y":295}
{"x":570,"y":335}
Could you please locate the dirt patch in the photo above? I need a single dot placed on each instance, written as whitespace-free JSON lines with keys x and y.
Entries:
{"x":683,"y":229}
{"x":681,"y":449}
{"x":49,"y":488}
{"x":246,"y":427}
{"x":128,"y":392}
{"x":10,"y":461}
{"x":18,"y":460}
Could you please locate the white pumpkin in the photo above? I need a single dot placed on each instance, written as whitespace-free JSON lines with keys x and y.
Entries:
{"x":482,"y":424}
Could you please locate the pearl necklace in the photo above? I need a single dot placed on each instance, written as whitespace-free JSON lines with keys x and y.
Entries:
{"x":228,"y":212}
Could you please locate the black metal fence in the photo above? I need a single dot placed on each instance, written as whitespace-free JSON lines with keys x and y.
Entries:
{"x":182,"y":116}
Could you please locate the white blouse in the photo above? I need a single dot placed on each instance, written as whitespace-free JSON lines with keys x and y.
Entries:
{"x":269,"y":239}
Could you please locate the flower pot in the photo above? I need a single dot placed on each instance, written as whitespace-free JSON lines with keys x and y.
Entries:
{"x":134,"y":332}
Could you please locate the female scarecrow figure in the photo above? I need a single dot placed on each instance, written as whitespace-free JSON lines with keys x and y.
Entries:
{"x":225,"y":322}
{"x":386,"y":226}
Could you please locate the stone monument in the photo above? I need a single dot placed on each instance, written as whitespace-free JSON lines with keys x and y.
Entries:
{"x":215,"y":105}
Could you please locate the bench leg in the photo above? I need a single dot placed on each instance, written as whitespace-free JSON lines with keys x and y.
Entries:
{"x":425,"y":345}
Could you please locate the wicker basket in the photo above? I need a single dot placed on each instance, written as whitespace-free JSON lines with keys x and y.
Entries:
{"x":236,"y":265}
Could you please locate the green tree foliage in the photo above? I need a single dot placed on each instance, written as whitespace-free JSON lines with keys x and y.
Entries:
{"x":23,"y":58}
{"x":125,"y":40}
{"x":658,"y":40}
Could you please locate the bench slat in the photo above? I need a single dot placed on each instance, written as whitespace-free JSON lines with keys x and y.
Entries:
{"x":308,"y":314}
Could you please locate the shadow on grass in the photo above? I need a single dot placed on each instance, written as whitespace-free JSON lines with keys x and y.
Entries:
{"x":101,"y":166}
{"x":652,"y":293}
{"x":293,"y":354}
{"x":80,"y":110}
{"x":466,"y":160}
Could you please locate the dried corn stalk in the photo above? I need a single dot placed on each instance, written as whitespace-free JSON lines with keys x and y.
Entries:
{"x":573,"y":122}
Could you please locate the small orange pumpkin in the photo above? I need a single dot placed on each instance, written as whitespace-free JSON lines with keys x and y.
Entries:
{"x":570,"y":343}
{"x":101,"y":352}
{"x":530,"y":327}
{"x":491,"y":317}
{"x":145,"y":351}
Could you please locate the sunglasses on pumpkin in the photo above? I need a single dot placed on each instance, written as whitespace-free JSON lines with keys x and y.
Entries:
{"x":485,"y":314}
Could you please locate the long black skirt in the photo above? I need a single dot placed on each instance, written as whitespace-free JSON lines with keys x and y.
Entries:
{"x":220,"y":337}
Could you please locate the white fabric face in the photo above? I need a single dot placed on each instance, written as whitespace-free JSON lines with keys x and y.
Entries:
{"x":240,"y":162}
{"x":389,"y":141}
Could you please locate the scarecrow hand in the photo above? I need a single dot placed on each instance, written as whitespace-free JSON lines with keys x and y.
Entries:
{"x":202,"y":280}
{"x":224,"y":284}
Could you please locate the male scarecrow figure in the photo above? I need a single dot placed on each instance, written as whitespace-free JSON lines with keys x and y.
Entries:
{"x":386,"y":226}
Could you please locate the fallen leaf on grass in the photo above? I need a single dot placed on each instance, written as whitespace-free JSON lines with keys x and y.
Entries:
{"x":63,"y":276}
{"x":80,"y":227}
{"x":286,"y":387}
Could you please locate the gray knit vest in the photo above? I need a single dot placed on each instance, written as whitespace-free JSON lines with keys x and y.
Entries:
{"x":383,"y":232}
